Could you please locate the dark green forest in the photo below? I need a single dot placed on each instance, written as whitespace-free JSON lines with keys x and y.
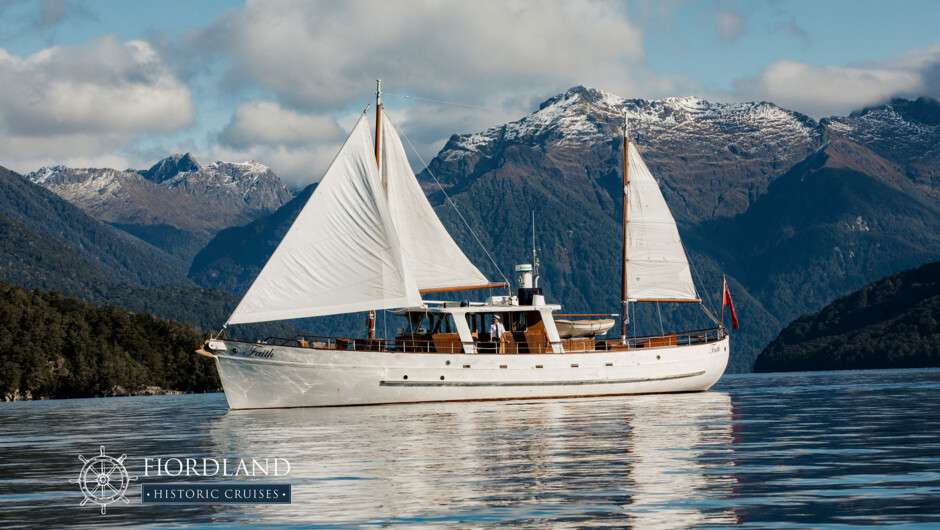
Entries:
{"x":54,"y":346}
{"x":891,"y":323}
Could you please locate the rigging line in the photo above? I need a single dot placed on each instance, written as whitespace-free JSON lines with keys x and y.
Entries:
{"x":504,"y":109}
{"x":707,"y":296}
{"x":453,"y":204}
{"x":661,"y":330}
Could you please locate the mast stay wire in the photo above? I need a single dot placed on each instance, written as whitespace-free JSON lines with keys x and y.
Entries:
{"x":454,"y":206}
{"x":707,"y":296}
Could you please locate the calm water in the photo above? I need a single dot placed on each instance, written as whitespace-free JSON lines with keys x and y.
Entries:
{"x":794,"y":450}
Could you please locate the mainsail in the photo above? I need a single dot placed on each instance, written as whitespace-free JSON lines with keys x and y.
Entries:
{"x":341,"y":255}
{"x":430,"y":254}
{"x":656,"y":266}
{"x":365,"y":240}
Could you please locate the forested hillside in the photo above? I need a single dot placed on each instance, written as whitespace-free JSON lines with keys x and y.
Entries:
{"x":53,"y":346}
{"x":116,"y":253}
{"x":891,"y":323}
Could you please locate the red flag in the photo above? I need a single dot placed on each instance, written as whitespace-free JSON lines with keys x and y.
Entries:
{"x":726,"y":300}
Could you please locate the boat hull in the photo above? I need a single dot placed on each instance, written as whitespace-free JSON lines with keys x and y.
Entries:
{"x":268,"y":376}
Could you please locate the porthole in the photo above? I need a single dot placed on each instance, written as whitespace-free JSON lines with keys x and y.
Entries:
{"x":657,"y":357}
{"x":406,"y":377}
{"x":447,"y":363}
{"x":235,"y":350}
{"x":442,"y":378}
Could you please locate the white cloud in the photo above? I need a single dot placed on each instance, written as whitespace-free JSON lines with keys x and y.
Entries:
{"x":297,"y":146}
{"x":260,"y":122}
{"x":297,"y":166}
{"x":85,"y":101}
{"x":503,"y":57}
{"x":839,"y":89}
{"x":468,"y":51}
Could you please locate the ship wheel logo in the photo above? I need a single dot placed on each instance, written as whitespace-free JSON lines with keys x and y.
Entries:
{"x":103,"y":480}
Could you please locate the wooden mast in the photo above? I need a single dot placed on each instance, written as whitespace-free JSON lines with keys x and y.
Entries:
{"x":378,"y":136}
{"x":623,"y":258}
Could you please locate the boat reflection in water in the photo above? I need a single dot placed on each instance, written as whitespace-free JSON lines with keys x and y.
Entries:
{"x":642,"y":461}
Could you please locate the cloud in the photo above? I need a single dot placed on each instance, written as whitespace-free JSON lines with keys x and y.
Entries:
{"x":259,"y":122}
{"x":296,"y":166}
{"x":468,"y":51}
{"x":86,"y":101}
{"x":501,"y":58}
{"x":298,"y":146}
{"x":100,"y":87}
{"x":839,"y":89}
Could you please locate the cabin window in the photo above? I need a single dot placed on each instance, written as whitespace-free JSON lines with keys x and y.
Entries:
{"x":442,"y":323}
{"x":417,"y":324}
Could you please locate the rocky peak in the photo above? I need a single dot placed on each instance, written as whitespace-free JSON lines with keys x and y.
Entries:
{"x":170,"y":167}
{"x":580,"y":93}
{"x":43,"y":174}
{"x":904,"y":132}
{"x":924,"y":110}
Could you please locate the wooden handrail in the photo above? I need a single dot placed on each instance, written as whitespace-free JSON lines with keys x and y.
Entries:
{"x":585,"y":315}
{"x":426,"y":346}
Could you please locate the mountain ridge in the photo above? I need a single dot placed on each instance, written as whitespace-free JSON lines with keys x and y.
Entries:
{"x":192,"y":201}
{"x":120,"y":255}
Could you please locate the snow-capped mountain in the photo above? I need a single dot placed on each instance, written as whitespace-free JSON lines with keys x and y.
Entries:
{"x":176,"y":191}
{"x":903,"y":131}
{"x":713,"y":158}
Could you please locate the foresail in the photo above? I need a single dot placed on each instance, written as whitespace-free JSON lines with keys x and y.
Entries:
{"x":657,"y":267}
{"x":430,"y":254}
{"x":341,"y":255}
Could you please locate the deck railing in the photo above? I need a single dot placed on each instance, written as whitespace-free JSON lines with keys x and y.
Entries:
{"x":573,"y":345}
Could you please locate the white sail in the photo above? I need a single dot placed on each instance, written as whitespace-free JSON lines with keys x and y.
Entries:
{"x":657,"y":268}
{"x":341,"y":255}
{"x":430,"y":254}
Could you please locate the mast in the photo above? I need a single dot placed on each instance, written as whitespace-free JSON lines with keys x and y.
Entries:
{"x":378,"y":120}
{"x":623,"y":258}
{"x":370,"y":322}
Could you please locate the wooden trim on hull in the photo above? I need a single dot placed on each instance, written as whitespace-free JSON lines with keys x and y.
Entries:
{"x":540,"y":383}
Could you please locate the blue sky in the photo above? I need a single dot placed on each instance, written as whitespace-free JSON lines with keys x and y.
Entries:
{"x":107,"y":83}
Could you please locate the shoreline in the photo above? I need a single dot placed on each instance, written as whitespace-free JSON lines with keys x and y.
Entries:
{"x":117,"y":391}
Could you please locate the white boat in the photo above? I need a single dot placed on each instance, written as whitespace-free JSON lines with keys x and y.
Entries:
{"x":583,"y":328}
{"x":368,"y":239}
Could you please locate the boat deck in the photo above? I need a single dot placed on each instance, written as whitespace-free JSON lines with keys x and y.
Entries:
{"x":517,"y":342}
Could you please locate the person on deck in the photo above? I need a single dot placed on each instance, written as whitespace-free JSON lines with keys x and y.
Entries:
{"x":496,"y":332}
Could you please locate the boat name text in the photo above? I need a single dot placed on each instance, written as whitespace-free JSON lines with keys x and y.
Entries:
{"x":264,"y":353}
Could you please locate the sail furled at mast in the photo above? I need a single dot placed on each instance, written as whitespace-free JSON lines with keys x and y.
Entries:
{"x":656,"y":264}
{"x":342,"y":254}
{"x":429,"y":252}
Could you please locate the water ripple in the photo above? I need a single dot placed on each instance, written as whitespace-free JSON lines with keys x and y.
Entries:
{"x":831,"y":449}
